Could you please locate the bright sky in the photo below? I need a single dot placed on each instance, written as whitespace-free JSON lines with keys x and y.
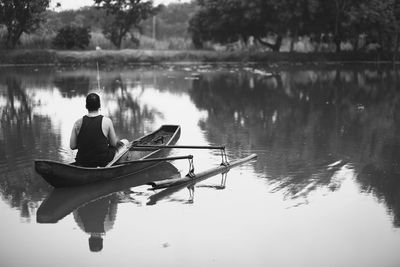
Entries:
{"x":75,"y":4}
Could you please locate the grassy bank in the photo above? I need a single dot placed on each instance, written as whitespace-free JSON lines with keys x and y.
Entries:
{"x":130,"y":56}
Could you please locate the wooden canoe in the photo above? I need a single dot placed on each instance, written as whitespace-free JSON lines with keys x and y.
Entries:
{"x":62,"y":201}
{"x":65,"y":175}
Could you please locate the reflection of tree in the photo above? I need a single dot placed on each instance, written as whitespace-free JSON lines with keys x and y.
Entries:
{"x":71,"y":86}
{"x":22,"y":139}
{"x":34,"y":77}
{"x":304,"y":121}
{"x":130,"y":117}
{"x":385,"y":186}
{"x":17,"y":109}
{"x":379,"y":169}
{"x":26,"y":136}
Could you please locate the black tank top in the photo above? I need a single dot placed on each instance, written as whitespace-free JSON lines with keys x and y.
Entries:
{"x":93,"y":146}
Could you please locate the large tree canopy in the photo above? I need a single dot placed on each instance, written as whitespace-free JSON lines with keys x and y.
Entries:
{"x":231,"y":20}
{"x":338,"y":21}
{"x":123,"y":16}
{"x":224,"y":21}
{"x":380,"y":21}
{"x":20,"y":16}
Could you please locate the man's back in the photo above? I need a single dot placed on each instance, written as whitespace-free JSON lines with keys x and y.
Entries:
{"x":93,"y":146}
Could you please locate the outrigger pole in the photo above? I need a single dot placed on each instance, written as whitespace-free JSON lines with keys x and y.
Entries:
{"x":156,"y":147}
{"x":171,"y":186}
{"x":175,"y":146}
{"x":156,"y":159}
{"x":199,"y":176}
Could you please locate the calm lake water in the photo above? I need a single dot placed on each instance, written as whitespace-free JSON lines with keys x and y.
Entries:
{"x":324,"y":190}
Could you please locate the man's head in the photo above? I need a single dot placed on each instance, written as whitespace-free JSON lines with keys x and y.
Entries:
{"x":92,"y":102}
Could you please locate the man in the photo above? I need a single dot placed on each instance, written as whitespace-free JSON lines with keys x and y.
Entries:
{"x":93,"y":136}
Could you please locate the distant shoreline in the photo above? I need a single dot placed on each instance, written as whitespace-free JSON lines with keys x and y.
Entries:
{"x":130,"y":56}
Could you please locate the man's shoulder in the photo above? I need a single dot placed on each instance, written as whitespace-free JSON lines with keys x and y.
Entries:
{"x":107,"y":120}
{"x":78,"y":125}
{"x":78,"y":122}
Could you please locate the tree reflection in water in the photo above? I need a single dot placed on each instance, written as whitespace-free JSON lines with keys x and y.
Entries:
{"x":72,"y":85}
{"x":22,"y":138}
{"x":131,"y":116}
{"x":307,"y":125}
{"x":27,"y":134}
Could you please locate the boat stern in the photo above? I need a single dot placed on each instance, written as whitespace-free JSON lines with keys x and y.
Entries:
{"x":43,"y":167}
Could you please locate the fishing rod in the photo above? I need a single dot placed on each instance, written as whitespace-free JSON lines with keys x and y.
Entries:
{"x":98,"y":76}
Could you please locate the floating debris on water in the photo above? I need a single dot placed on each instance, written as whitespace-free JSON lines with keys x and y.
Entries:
{"x":334,"y":164}
{"x":192,"y":78}
{"x":259,"y":72}
{"x":360,"y":107}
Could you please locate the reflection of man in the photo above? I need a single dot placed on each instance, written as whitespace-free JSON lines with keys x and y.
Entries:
{"x":93,"y":136}
{"x":96,"y":218}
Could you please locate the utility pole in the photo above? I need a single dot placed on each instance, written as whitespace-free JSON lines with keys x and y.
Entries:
{"x":154,"y":27}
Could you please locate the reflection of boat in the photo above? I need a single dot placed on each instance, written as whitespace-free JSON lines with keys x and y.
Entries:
{"x":63,"y":201}
{"x":135,"y":159}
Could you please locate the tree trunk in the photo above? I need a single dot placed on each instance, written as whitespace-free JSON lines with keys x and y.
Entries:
{"x":9,"y":39}
{"x":119,"y":42}
{"x":17,"y":36}
{"x":337,"y":42}
{"x":356,"y":43}
{"x":275,"y":47}
{"x":396,"y":46}
{"x":13,"y":36}
{"x":292,"y":41}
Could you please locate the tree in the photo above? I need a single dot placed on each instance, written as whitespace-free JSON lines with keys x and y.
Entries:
{"x":334,"y":20}
{"x":171,"y":21}
{"x":70,"y":37}
{"x":220,"y":21}
{"x":380,"y":21}
{"x":298,"y":16}
{"x":227,"y":21}
{"x":122,"y":16}
{"x":265,"y":19}
{"x":21,"y":16}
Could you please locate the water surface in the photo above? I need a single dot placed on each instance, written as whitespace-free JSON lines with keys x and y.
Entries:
{"x":324,"y":190}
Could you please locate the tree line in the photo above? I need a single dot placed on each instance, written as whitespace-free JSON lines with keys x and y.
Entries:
{"x":266,"y":22}
{"x":269,"y":21}
{"x":117,"y":21}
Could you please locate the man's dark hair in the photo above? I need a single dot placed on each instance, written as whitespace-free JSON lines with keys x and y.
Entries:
{"x":92,"y":102}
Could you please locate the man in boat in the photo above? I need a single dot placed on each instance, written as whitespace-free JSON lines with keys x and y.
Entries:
{"x":94,"y":136}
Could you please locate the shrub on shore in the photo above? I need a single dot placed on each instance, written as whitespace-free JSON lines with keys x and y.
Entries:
{"x":134,"y":56}
{"x":45,"y":40}
{"x":70,"y":37}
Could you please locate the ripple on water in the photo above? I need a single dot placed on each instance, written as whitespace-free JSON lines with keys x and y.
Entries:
{"x":66,"y":154}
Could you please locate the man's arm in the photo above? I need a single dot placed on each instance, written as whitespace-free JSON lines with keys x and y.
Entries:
{"x":73,"y":141}
{"x":112,"y":137}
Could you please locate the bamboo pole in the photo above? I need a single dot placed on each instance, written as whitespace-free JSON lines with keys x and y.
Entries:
{"x":175,"y":146}
{"x":200,"y":176}
{"x":174,"y":185}
{"x":156,"y":159}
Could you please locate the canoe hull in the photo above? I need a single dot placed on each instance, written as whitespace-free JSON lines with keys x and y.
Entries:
{"x":63,"y":201}
{"x":64,"y":175}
